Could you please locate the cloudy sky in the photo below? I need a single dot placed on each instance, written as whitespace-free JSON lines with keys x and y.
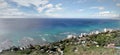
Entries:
{"x":59,"y":8}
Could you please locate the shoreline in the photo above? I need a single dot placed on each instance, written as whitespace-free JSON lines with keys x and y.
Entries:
{"x":70,"y":40}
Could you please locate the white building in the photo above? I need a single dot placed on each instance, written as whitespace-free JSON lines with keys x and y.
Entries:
{"x":106,"y":30}
{"x":97,"y":32}
{"x":81,"y":35}
{"x":71,"y":36}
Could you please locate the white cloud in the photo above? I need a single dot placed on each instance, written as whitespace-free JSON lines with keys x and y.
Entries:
{"x":3,"y":4}
{"x":6,"y":11}
{"x":15,"y":13}
{"x":11,"y":11}
{"x":42,"y":6}
{"x":28,"y":2}
{"x":50,"y":11}
{"x":58,"y":6}
{"x":118,"y":4}
{"x":40,"y":9}
{"x":45,"y":7}
{"x":106,"y":14}
{"x":48,"y":6}
{"x":98,"y":7}
{"x":80,"y":10}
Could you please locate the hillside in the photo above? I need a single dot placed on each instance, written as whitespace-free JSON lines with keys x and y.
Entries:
{"x":102,"y":43}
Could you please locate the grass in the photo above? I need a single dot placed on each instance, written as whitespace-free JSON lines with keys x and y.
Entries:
{"x":69,"y":51}
{"x":24,"y":52}
{"x":91,"y":51}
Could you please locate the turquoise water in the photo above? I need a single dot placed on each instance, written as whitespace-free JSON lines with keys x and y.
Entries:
{"x":39,"y":31}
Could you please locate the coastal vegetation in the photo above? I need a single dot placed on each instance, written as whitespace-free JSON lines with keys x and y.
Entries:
{"x":102,"y":43}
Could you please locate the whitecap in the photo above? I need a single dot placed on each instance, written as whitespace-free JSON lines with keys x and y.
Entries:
{"x":6,"y":44}
{"x":26,"y":41}
{"x":46,"y":34}
{"x":43,"y":39}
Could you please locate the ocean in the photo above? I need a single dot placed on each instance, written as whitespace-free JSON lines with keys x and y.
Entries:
{"x":21,"y":32}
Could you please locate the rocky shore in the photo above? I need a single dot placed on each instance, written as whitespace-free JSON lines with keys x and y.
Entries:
{"x":82,"y":44}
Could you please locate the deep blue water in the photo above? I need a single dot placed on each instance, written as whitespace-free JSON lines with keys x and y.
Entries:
{"x":17,"y":31}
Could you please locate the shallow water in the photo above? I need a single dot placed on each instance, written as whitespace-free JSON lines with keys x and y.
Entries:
{"x":34,"y":31}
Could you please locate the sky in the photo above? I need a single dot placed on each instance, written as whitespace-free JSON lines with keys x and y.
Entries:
{"x":59,"y":8}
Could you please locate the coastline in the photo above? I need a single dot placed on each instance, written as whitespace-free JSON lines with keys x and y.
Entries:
{"x":58,"y":47}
